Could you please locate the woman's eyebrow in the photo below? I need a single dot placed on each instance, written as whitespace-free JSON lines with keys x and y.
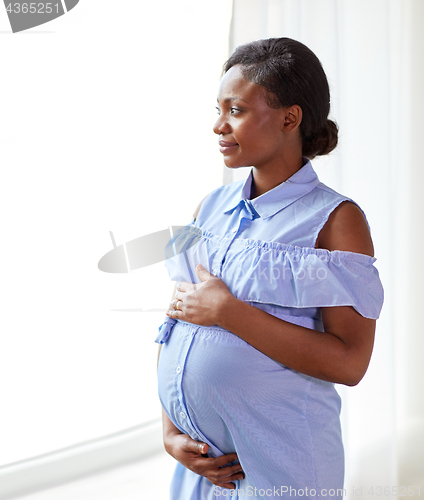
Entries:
{"x":231,"y":99}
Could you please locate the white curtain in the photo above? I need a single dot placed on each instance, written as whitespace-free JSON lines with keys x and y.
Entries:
{"x":373,"y":53}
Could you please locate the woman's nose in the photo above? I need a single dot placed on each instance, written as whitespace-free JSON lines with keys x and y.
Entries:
{"x":221,"y":126}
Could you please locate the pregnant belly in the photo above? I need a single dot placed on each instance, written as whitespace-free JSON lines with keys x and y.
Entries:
{"x":220,"y":381}
{"x":220,"y":390}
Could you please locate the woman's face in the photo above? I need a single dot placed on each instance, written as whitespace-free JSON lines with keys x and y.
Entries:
{"x":250,"y":132}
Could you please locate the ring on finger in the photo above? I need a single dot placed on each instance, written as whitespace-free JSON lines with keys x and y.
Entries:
{"x":176,"y":305}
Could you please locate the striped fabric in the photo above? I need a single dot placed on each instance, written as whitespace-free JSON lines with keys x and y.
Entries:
{"x":284,"y":425}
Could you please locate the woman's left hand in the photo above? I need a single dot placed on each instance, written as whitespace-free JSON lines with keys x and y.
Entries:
{"x":200,"y":303}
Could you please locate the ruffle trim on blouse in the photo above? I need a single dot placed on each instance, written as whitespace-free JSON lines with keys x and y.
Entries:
{"x":289,"y":276}
{"x":307,"y":279}
{"x":247,"y":244}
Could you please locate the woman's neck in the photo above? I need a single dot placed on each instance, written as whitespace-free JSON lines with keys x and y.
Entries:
{"x":266,"y":179}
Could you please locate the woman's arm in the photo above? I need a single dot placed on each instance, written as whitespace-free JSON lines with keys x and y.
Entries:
{"x":341,"y":354}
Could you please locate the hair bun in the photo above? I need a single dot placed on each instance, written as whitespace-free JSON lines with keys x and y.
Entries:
{"x":322,"y":143}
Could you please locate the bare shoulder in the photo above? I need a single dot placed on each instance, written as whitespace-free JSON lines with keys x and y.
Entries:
{"x":199,"y":206}
{"x":346,"y":229}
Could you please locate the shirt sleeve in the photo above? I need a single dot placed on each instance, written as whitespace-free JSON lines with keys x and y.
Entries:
{"x":308,"y":277}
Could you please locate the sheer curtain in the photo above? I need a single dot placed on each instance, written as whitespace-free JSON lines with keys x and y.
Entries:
{"x":372,"y":52}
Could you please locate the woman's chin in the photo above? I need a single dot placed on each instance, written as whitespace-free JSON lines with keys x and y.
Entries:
{"x":230,"y":164}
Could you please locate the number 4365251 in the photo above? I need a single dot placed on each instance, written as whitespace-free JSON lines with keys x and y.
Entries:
{"x":33,"y":8}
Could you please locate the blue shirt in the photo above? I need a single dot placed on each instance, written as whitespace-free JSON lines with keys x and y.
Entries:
{"x":284,"y":425}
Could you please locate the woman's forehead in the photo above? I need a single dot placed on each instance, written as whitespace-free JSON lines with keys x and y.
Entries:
{"x":234,"y":86}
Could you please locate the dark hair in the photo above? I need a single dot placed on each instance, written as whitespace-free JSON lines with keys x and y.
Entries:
{"x":292,"y":74}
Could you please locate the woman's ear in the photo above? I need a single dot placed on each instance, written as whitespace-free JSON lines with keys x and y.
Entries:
{"x":292,"y":118}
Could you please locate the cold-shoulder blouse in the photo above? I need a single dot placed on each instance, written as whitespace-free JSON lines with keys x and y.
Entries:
{"x":284,"y":425}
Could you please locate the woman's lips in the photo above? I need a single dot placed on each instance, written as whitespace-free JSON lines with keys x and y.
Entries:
{"x":227,"y":147}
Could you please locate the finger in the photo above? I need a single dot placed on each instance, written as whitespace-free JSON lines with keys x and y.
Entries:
{"x":203,"y":448}
{"x":195,"y":446}
{"x":182,"y":286}
{"x":175,"y":305}
{"x":217,"y":467}
{"x":230,"y":471}
{"x":225,"y":459}
{"x":235,"y":477}
{"x":180,"y":295}
{"x":174,"y":314}
{"x":226,"y":474}
{"x":203,"y":273}
{"x":211,"y":467}
{"x":218,"y":463}
{"x":229,"y":486}
{"x":227,"y":483}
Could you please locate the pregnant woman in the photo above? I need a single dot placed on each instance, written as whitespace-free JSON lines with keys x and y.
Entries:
{"x":276,"y":300}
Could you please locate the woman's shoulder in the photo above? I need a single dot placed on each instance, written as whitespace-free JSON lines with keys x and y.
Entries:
{"x":346,"y":229}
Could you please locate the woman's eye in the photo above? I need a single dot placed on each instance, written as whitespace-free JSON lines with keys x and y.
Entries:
{"x":232,"y":111}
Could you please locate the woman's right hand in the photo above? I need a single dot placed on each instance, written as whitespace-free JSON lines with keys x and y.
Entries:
{"x":189,"y":453}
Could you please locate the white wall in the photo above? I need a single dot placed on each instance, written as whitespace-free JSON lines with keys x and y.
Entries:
{"x":105,"y":124}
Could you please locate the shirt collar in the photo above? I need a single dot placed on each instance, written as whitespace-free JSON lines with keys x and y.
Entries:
{"x":300,"y":183}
